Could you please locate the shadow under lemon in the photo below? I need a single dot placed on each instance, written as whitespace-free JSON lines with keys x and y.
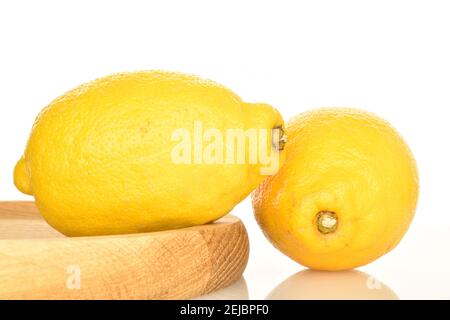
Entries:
{"x":323,"y":285}
{"x":236,"y":291}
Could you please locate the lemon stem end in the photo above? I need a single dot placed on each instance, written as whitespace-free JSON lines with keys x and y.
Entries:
{"x":279,"y":138}
{"x":327,"y":222}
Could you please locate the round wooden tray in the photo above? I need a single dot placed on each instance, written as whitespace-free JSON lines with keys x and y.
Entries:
{"x":37,"y":262}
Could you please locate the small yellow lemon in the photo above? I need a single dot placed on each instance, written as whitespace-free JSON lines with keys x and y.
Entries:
{"x":346,"y":194}
{"x":145,"y":151}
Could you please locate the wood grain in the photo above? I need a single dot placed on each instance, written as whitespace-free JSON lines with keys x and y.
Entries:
{"x":37,"y":262}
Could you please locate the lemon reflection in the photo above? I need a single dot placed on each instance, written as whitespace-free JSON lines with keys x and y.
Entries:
{"x":344,"y":285}
{"x":236,"y":291}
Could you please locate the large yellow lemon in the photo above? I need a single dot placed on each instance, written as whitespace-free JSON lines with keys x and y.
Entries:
{"x":346,"y":193}
{"x":145,"y":151}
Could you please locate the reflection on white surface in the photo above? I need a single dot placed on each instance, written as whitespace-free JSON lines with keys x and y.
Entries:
{"x":236,"y":291}
{"x":344,"y":285}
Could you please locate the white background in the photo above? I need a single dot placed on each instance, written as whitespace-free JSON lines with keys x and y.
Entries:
{"x":389,"y":57}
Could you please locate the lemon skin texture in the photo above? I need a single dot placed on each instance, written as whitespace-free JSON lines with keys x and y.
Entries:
{"x":346,"y":194}
{"x":98,"y":160}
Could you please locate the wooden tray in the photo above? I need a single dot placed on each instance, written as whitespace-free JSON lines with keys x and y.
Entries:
{"x":37,"y":262}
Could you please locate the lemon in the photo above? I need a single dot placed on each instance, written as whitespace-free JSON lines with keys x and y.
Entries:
{"x":346,"y":194}
{"x":104,"y":158}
